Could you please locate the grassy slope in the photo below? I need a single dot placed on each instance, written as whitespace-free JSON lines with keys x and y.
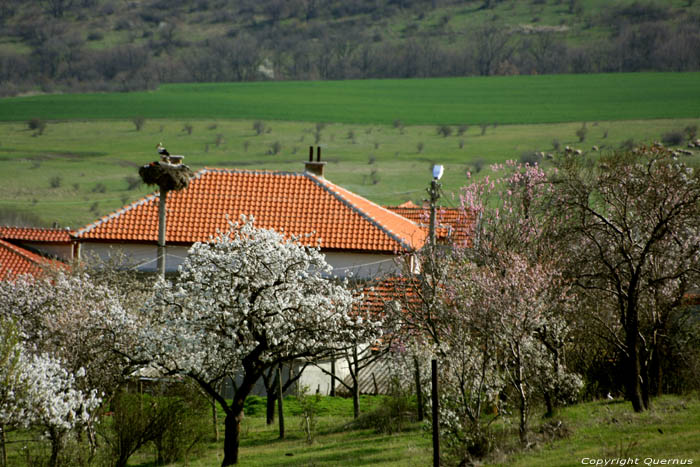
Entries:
{"x":449,"y":23}
{"x":502,"y":100}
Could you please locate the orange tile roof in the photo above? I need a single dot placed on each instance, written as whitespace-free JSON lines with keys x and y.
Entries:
{"x":454,"y":225}
{"x":34,"y":234}
{"x":15,"y":261}
{"x":295,"y":203}
{"x":378,"y":294}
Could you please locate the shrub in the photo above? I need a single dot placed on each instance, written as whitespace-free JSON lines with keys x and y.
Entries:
{"x":581,"y":133}
{"x":462,"y":129}
{"x":55,"y":181}
{"x":393,"y":413}
{"x":275,"y":148}
{"x":37,"y":124}
{"x":132,"y":182}
{"x":444,"y":130}
{"x":174,"y":419}
{"x":627,"y":145}
{"x":138,"y":122}
{"x":530,"y":158}
{"x":259,"y":127}
{"x":309,"y":410}
{"x":673,"y":138}
{"x":691,"y":131}
{"x":99,"y":188}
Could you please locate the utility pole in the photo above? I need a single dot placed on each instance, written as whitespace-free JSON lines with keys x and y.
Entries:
{"x":161,"y":231}
{"x":169,"y":173}
{"x":434,"y":192}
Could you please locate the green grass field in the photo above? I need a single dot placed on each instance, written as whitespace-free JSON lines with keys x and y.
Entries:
{"x":500,"y":100}
{"x":77,"y":170}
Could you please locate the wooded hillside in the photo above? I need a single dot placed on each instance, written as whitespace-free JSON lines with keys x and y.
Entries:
{"x":95,"y":45}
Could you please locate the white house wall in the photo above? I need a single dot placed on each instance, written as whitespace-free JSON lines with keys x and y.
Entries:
{"x":361,"y":265}
{"x":141,"y":256}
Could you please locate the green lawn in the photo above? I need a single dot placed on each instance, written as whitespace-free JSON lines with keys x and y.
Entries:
{"x":593,"y":430}
{"x":500,"y":100}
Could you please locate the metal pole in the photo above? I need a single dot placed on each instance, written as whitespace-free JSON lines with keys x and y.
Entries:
{"x":436,"y":421}
{"x":161,"y":232}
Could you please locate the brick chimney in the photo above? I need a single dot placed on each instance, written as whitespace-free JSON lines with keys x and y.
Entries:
{"x":314,"y":167}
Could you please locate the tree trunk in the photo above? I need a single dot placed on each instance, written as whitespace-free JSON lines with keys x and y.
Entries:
{"x":270,"y":405}
{"x":355,"y":385}
{"x":56,"y":438}
{"x":232,"y":437}
{"x":634,"y":367}
{"x":215,"y":419}
{"x":419,"y":389}
{"x":3,"y":451}
{"x":656,"y":370}
{"x":280,"y":401}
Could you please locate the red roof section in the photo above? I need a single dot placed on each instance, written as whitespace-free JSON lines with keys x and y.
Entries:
{"x":294,"y":203}
{"x":33,"y":234}
{"x":453,"y":225}
{"x":15,"y":261}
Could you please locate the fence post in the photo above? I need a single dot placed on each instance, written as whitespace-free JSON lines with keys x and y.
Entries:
{"x":436,"y":422}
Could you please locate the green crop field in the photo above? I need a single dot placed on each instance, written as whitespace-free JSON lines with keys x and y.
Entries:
{"x":82,"y":166}
{"x":501,"y":100}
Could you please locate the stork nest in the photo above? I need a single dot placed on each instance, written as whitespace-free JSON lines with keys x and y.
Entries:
{"x":166,"y":176}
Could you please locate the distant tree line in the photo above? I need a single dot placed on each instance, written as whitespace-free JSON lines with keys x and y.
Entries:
{"x":320,"y":40}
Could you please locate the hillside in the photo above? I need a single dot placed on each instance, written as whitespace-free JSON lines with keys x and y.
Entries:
{"x":98,"y":45}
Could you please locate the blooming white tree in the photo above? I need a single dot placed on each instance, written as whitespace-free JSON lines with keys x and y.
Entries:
{"x":248,"y":301}
{"x":36,"y":390}
{"x":69,"y":317}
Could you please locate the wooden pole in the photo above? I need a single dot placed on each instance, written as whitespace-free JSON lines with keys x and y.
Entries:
{"x":333,"y":376}
{"x":436,"y":420}
{"x":161,"y":232}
